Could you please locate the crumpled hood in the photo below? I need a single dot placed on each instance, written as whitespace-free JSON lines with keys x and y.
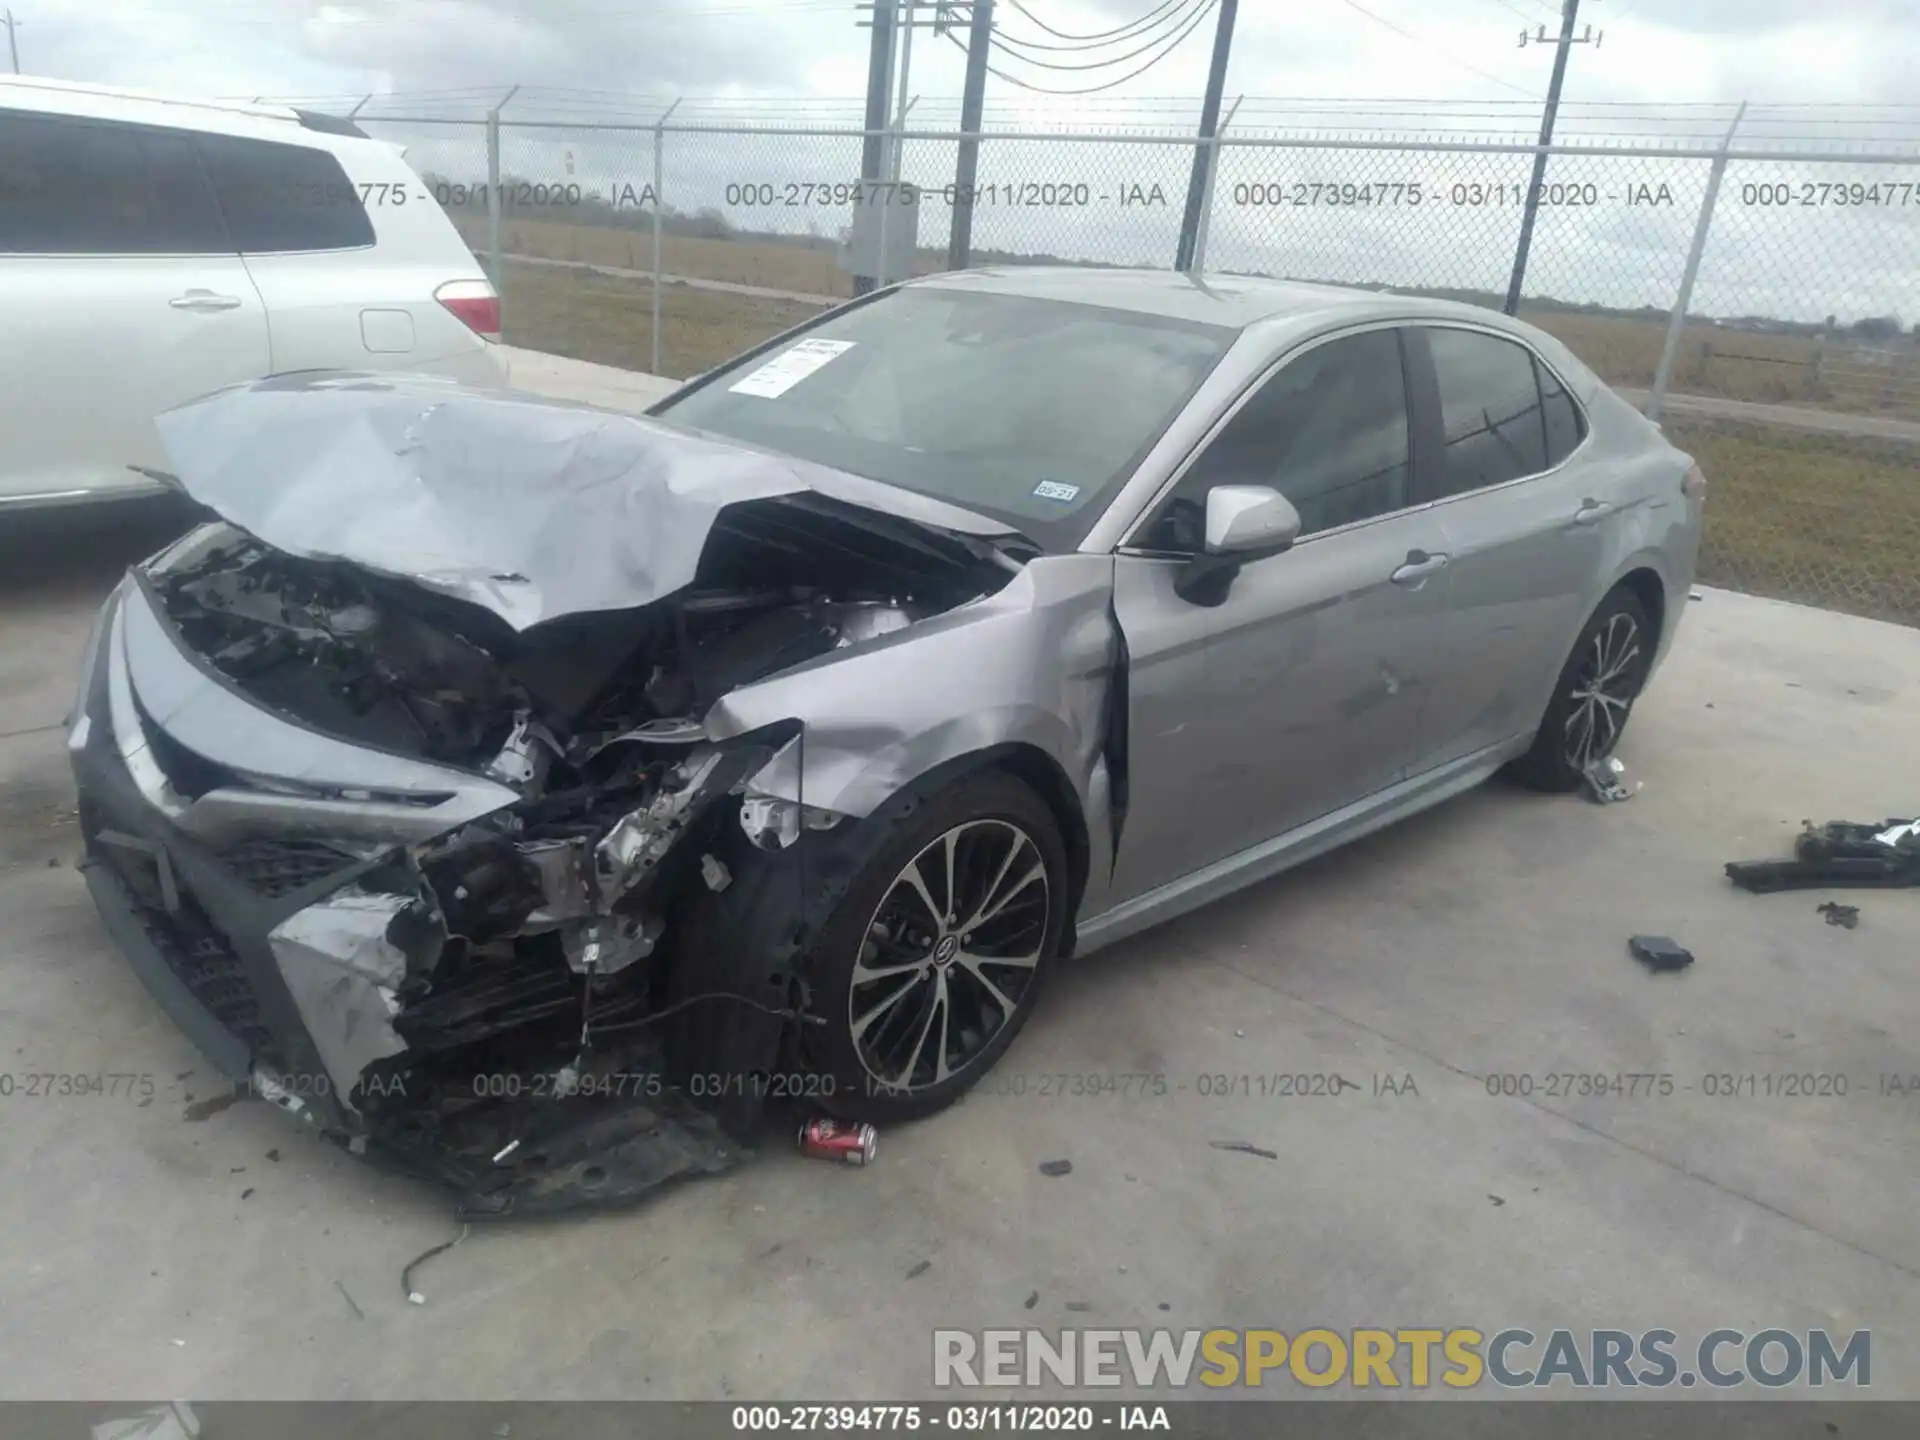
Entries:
{"x":530,"y":507}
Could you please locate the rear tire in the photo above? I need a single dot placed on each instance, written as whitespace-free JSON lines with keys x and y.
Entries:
{"x":1593,"y":697}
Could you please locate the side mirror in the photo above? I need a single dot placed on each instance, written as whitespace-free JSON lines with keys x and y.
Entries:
{"x":1244,"y":522}
{"x":1249,"y":520}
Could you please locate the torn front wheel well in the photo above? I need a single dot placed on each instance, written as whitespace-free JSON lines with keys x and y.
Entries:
{"x":1037,"y":769}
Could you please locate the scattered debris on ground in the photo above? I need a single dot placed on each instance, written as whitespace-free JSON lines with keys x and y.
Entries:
{"x":1847,"y":917}
{"x":1056,"y":1167}
{"x":414,"y":1297}
{"x":1604,"y":785}
{"x":917,"y":1271}
{"x":1031,"y":1301}
{"x":1497,"y":1200}
{"x":1841,"y":853}
{"x":1243,"y":1148}
{"x":358,"y":1313}
{"x":163,"y":1422}
{"x":1659,"y":952}
{"x":848,"y":1141}
{"x":200,"y":1110}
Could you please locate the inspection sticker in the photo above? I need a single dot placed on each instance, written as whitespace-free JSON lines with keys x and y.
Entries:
{"x":789,"y":368}
{"x":1054,"y":490}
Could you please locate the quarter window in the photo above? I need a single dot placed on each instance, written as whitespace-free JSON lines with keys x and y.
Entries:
{"x":80,"y":187}
{"x":1328,"y":431}
{"x":1566,"y":427}
{"x":1489,"y":409}
{"x":284,"y":197}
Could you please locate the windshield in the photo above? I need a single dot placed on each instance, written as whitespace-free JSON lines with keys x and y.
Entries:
{"x":1033,"y":412}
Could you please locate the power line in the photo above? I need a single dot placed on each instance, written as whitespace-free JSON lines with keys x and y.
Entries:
{"x":1193,"y":13}
{"x":1122,"y":32}
{"x":1422,"y":41}
{"x":1168,"y":49}
{"x":1171,"y":19}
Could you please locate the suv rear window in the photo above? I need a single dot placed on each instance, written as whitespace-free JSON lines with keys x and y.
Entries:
{"x":83,"y":187}
{"x":284,"y":197}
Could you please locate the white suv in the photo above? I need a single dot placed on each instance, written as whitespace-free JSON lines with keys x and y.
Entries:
{"x":154,"y":249}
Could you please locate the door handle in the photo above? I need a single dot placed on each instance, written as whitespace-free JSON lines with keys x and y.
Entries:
{"x":204,"y":300}
{"x":1590,"y":511}
{"x":1418,"y":567}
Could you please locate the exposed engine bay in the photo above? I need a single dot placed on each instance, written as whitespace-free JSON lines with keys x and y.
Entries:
{"x":457,"y":988}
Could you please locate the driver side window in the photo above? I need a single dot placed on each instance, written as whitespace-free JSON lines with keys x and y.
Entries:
{"x":1328,"y":430}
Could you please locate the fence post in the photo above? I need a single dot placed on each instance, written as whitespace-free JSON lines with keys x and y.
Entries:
{"x":1205,"y":222}
{"x":493,"y":205}
{"x":1677,"y":321}
{"x":966,"y":167}
{"x":659,"y":184}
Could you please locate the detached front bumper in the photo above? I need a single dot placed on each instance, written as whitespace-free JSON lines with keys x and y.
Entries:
{"x":231,"y":891}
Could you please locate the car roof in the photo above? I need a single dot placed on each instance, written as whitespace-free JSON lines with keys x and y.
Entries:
{"x":152,"y":107}
{"x":1236,"y":301}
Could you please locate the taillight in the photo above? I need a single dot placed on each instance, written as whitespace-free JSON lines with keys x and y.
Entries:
{"x":1695,"y":483}
{"x":474,"y":304}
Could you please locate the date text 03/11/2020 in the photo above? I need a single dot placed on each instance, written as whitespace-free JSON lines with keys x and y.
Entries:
{"x":960,"y":1419}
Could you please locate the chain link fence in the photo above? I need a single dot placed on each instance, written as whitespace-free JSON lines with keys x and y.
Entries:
{"x":1772,"y":318}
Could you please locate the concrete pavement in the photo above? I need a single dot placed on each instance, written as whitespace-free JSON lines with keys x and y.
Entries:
{"x":158,"y":1246}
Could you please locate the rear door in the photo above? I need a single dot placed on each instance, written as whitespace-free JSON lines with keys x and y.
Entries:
{"x":120,"y":296}
{"x":1525,"y":530}
{"x":1303,"y":690}
{"x":348,"y":260}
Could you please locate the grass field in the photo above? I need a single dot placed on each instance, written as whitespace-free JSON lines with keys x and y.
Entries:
{"x":1711,"y":360}
{"x":1824,"y":520}
{"x":609,"y":320}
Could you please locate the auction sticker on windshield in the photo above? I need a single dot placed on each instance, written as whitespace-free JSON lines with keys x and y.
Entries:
{"x":789,"y":368}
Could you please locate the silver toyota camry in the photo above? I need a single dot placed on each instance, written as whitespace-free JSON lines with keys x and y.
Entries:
{"x":544,"y":799}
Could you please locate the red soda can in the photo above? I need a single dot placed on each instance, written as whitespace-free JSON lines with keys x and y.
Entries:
{"x":847,"y":1141}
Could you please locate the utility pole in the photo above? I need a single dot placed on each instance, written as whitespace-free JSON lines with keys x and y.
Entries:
{"x":1209,"y":125}
{"x":966,"y":169}
{"x":1562,"y":48}
{"x":13,"y":46}
{"x":873,"y":151}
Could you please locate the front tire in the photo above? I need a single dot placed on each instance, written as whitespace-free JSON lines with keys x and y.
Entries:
{"x":1593,"y":697}
{"x":933,"y":960}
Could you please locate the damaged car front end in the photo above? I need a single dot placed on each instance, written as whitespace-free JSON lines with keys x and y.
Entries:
{"x":419,"y":785}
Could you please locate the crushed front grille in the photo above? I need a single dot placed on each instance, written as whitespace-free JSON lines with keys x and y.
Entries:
{"x":194,"y":948}
{"x":280,"y":867}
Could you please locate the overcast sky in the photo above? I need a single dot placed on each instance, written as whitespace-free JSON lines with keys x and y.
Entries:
{"x":1654,"y":50}
{"x":755,"y":53}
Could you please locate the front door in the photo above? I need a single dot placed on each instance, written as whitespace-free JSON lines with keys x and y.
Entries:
{"x":1303,"y":690}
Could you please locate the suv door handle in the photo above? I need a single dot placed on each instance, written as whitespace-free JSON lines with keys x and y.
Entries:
{"x":1418,"y":567}
{"x":1590,"y":511}
{"x":204,"y":300}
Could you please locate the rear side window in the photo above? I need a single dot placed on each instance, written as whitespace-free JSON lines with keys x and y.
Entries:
{"x":1489,"y":409}
{"x":81,"y":187}
{"x":1566,"y":426}
{"x":284,"y":197}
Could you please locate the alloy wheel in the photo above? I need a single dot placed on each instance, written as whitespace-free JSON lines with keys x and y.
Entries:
{"x":950,"y":952}
{"x":1603,"y":691}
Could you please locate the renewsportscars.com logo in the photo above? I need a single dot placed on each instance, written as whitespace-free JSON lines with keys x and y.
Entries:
{"x":1416,"y":1359}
